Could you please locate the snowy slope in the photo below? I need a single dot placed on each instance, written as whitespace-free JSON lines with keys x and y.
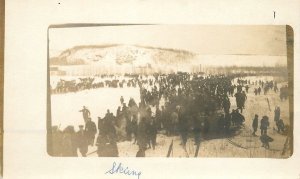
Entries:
{"x":120,"y":54}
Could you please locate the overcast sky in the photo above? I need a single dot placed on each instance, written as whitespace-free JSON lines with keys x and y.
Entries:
{"x":212,"y":39}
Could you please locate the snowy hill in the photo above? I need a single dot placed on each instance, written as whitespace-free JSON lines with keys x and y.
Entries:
{"x":120,"y":54}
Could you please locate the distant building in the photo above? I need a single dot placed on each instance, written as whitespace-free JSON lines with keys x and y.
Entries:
{"x":54,"y":71}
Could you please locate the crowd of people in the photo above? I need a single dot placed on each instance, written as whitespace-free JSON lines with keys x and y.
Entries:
{"x":76,"y":85}
{"x":264,"y":125}
{"x":176,"y":104}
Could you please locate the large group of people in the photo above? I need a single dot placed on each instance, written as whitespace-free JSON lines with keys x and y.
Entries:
{"x":76,"y":85}
{"x":174,"y":104}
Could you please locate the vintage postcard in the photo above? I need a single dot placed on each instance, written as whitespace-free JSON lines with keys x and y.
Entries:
{"x":148,"y":89}
{"x":170,"y":91}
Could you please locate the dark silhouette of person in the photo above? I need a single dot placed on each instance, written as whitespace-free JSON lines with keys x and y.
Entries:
{"x":255,"y":124}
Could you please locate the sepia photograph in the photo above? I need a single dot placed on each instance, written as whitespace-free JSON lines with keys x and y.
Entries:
{"x":144,"y":90}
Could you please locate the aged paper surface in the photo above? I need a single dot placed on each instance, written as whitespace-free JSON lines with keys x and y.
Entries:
{"x":41,"y":37}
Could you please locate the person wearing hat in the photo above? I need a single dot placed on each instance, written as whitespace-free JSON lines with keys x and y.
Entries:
{"x":82,"y":141}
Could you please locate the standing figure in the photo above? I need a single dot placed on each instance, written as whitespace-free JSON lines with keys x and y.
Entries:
{"x":247,"y":88}
{"x":264,"y":124}
{"x":197,"y":128}
{"x":82,"y":141}
{"x":255,"y":91}
{"x":91,"y":130}
{"x":221,"y":124}
{"x":258,"y":90}
{"x":107,"y":140}
{"x":243,"y":99}
{"x":152,"y":132}
{"x":226,"y":104}
{"x":238,"y":99}
{"x":183,"y":126}
{"x":280,"y":125}
{"x":121,"y":99}
{"x":69,"y":148}
{"x":142,"y":137}
{"x":85,"y":113}
{"x":233,"y":117}
{"x":158,"y":118}
{"x":100,"y":124}
{"x":164,"y":117}
{"x":174,"y":123}
{"x":255,"y":124}
{"x":277,"y":114}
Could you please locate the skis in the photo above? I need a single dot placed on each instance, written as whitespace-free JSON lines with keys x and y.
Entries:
{"x":268,"y":103}
{"x":91,"y":153}
{"x":186,"y":152}
{"x":197,"y":149}
{"x":170,"y":149}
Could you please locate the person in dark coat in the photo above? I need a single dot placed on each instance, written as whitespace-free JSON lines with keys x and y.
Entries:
{"x":239,"y":118}
{"x":227,"y":123}
{"x":264,"y":124}
{"x":226,"y":104}
{"x":101,"y":144}
{"x":221,"y":124}
{"x":100,"y":124}
{"x":142,"y":135}
{"x":243,"y":100}
{"x":247,"y":88}
{"x":238,"y":99}
{"x":91,"y":130}
{"x":183,"y":126}
{"x":121,"y":99}
{"x":118,"y":114}
{"x":107,"y":140}
{"x":280,"y":125}
{"x":197,"y":128}
{"x":265,"y":139}
{"x":164,"y":117}
{"x":85,"y":113}
{"x":258,"y":90}
{"x":69,"y":142}
{"x":255,"y":91}
{"x":158,"y":117}
{"x":152,"y":132}
{"x":255,"y":124}
{"x":205,"y":126}
{"x":277,"y":114}
{"x":233,"y":117}
{"x":134,"y":127}
{"x":82,"y":141}
{"x":128,"y":128}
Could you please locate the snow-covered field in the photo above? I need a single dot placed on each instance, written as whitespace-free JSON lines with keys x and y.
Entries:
{"x":65,"y":107}
{"x":65,"y":111}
